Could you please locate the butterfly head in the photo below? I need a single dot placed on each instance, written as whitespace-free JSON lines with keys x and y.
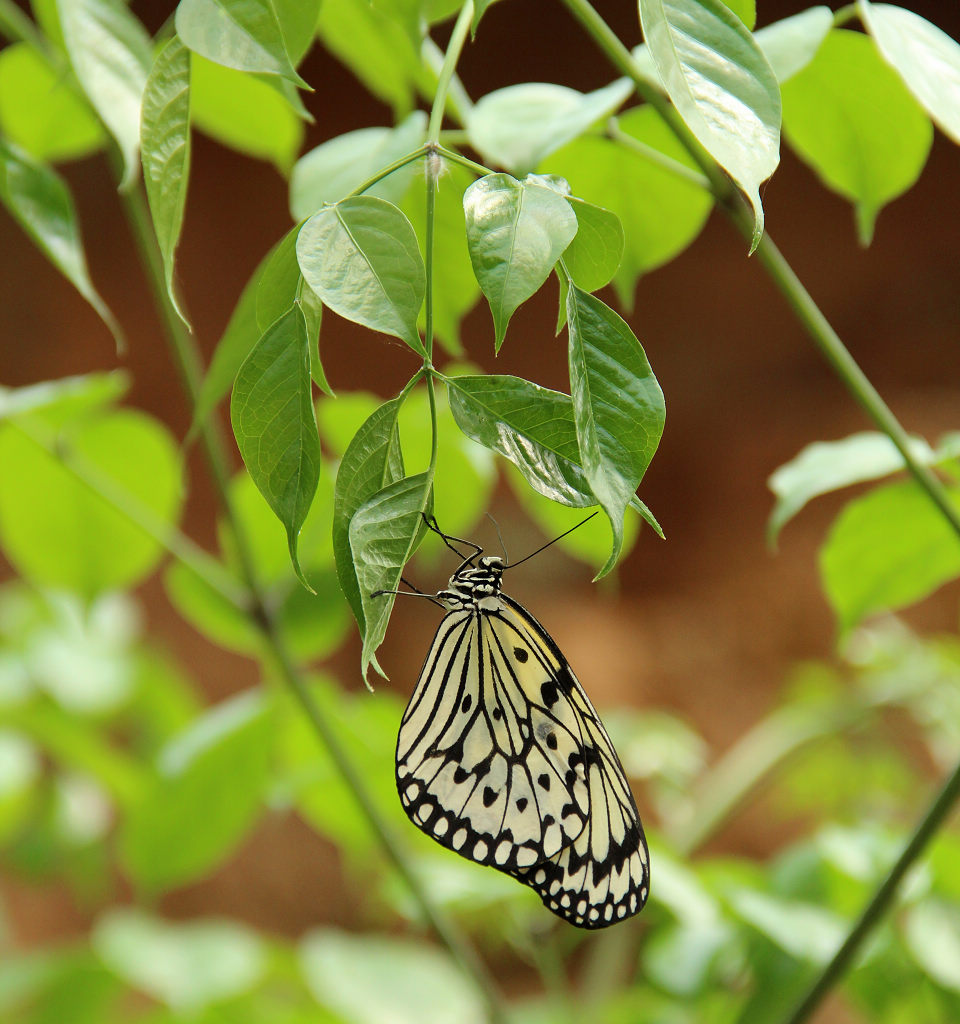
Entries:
{"x":475,"y":586}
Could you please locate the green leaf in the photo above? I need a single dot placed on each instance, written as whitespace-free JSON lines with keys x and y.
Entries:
{"x":376,"y":48}
{"x":384,"y":533}
{"x":519,"y":126}
{"x":165,"y":151}
{"x":240,"y":335}
{"x":240,"y":34}
{"x":244,"y":112}
{"x":275,"y":426}
{"x":209,"y":789}
{"x":660,"y":212}
{"x":298,"y":25}
{"x":827,"y":466}
{"x":331,"y":171}
{"x":40,"y":112}
{"x":805,"y":931}
{"x":926,"y":58}
{"x":479,"y":9}
{"x":722,"y":86}
{"x":58,"y":532}
{"x":745,"y":10}
{"x":372,"y":461}
{"x":516,"y":232}
{"x":362,"y":259}
{"x":455,"y":288}
{"x":110,"y":53}
{"x":370,"y":980}
{"x":534,"y":428}
{"x":850,"y":117}
{"x":280,"y":286}
{"x":41,"y":203}
{"x":617,"y":406}
{"x":185,"y":966}
{"x":62,"y":399}
{"x":530,"y":425}
{"x":932,"y":933}
{"x":885,"y":551}
{"x":791,"y":43}
{"x":594,"y":255}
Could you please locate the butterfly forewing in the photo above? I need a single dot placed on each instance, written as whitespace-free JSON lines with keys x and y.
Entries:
{"x":481,"y":767}
{"x":502,"y":758}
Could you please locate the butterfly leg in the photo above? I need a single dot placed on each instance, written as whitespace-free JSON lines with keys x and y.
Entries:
{"x":431,"y":524}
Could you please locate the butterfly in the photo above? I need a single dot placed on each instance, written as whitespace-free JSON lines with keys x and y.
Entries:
{"x":502,"y":758}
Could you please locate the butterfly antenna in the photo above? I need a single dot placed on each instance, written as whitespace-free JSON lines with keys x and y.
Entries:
{"x":503,"y":547}
{"x":431,"y":524}
{"x":555,"y":539}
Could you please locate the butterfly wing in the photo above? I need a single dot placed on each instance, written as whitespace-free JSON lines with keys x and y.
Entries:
{"x":602,"y":876}
{"x":481,"y":767}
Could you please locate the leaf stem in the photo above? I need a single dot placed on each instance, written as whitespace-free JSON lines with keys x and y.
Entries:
{"x":454,"y":48}
{"x":388,"y":170}
{"x":464,"y":161}
{"x":186,"y":358}
{"x":880,"y":903}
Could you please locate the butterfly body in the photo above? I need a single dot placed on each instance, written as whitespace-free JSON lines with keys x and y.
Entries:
{"x":502,"y":758}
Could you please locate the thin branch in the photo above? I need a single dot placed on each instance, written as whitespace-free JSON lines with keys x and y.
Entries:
{"x":457,"y":40}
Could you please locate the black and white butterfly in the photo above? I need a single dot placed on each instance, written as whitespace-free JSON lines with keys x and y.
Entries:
{"x":502,"y":758}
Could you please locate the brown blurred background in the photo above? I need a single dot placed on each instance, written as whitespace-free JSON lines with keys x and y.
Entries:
{"x":705,"y":624}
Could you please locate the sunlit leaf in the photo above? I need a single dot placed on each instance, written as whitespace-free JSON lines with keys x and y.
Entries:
{"x":826,"y":466}
{"x":240,"y":34}
{"x":40,"y":202}
{"x":384,"y":533}
{"x":371,"y":980}
{"x":275,"y":426}
{"x":245,"y":112}
{"x":618,"y":406}
{"x":804,"y":930}
{"x":332,"y":170}
{"x":516,"y":232}
{"x":110,"y":53}
{"x":210,"y":784}
{"x":40,"y":112}
{"x":722,"y":86}
{"x":661,"y":213}
{"x":886,"y":550}
{"x":362,"y":259}
{"x":926,"y":58}
{"x":58,"y":532}
{"x":187,"y":966}
{"x":849,"y":116}
{"x":519,"y":126}
{"x":791,"y":43}
{"x":165,"y":150}
{"x":61,"y":400}
{"x":372,"y":461}
{"x":594,"y":255}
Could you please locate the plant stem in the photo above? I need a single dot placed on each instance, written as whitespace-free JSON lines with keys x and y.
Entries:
{"x":874,"y":911}
{"x":187,"y":361}
{"x":464,"y":161}
{"x":454,"y":49}
{"x":388,"y":170}
{"x":846,"y":368}
{"x":458,"y":102}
